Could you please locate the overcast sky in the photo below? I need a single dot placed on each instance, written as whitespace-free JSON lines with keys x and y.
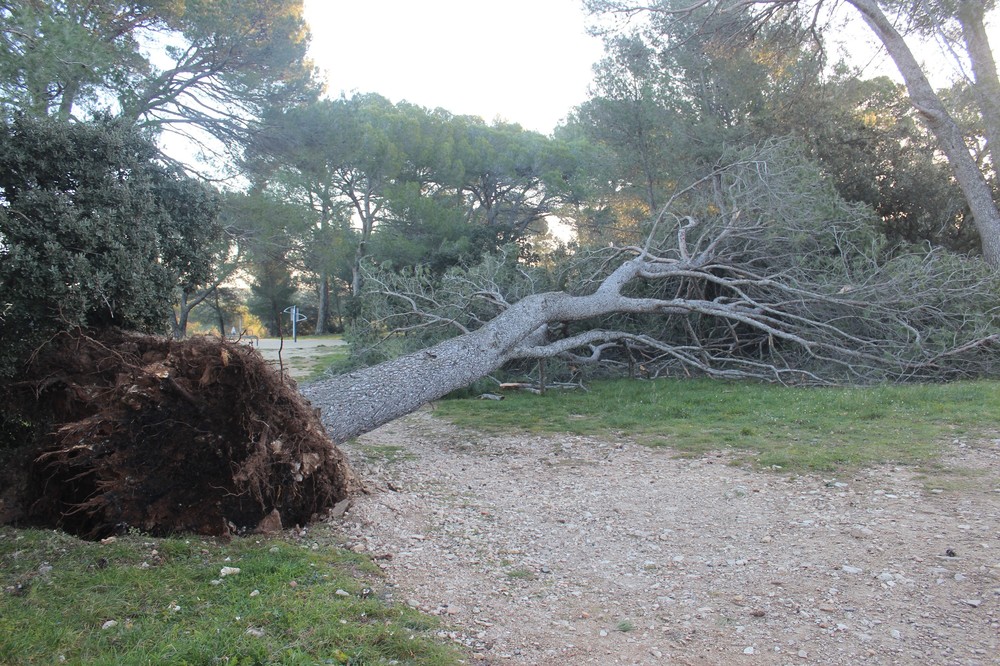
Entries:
{"x":523,"y":61}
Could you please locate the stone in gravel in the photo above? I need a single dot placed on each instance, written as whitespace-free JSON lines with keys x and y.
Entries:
{"x":339,"y":509}
{"x":748,"y":650}
{"x":975,"y":603}
{"x":851,"y":570}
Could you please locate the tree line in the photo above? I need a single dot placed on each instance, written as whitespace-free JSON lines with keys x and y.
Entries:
{"x":406,"y":224}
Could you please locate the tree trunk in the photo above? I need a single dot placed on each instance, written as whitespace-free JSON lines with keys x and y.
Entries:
{"x":927,"y":103}
{"x":360,"y":401}
{"x":178,"y":325}
{"x":971,"y":16}
{"x":323,"y":310}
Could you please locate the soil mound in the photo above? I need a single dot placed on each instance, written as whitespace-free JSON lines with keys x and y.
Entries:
{"x":128,"y":431}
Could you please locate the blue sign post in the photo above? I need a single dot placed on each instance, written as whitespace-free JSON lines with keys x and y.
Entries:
{"x":296,"y":318}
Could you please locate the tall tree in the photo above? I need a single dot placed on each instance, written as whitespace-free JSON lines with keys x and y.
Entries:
{"x":402,"y":167}
{"x":194,"y":68}
{"x":801,"y":17}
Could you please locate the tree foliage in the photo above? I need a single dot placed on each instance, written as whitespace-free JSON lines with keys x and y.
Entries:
{"x":93,"y":232}
{"x":192,"y":67}
{"x":758,"y":269}
{"x":739,"y":26}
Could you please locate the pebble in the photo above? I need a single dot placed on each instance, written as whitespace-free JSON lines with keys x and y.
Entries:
{"x":975,"y":603}
{"x":228,"y":571}
{"x":748,"y":650}
{"x":110,"y":624}
{"x":851,"y":570}
{"x":342,"y":593}
{"x":255,"y":632}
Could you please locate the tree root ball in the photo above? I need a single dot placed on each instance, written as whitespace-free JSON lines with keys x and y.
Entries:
{"x":163,"y":436}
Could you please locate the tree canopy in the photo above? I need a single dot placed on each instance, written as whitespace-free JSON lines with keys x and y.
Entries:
{"x":198,"y":68}
{"x":93,"y":231}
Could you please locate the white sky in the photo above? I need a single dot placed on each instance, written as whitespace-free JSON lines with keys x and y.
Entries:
{"x":523,"y":61}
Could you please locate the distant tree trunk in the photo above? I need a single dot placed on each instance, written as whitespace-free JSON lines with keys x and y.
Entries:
{"x":970,"y":179}
{"x":218,"y":313}
{"x":178,"y":325}
{"x":323,"y":310}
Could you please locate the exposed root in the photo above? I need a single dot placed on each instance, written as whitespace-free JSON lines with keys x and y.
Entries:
{"x":165,"y":436}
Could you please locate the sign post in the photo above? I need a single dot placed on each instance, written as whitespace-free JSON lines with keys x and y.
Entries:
{"x":293,"y":310}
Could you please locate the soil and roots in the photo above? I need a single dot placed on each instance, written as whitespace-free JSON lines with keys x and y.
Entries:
{"x":148,"y":433}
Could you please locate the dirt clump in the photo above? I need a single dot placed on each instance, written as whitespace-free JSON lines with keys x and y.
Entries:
{"x":116,"y":431}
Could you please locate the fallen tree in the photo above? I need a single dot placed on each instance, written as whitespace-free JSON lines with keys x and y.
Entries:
{"x":755,"y":271}
{"x":114,"y":431}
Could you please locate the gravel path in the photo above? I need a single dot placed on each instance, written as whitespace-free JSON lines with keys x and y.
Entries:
{"x":574,"y":550}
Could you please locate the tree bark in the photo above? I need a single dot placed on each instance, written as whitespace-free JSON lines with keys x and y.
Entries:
{"x":927,"y":103}
{"x":360,"y":401}
{"x":323,"y":310}
{"x":971,"y":16}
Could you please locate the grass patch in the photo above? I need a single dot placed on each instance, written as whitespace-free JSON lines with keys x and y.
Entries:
{"x":625,"y":626}
{"x":793,"y":428}
{"x":322,"y":360}
{"x":521,"y":573}
{"x":386,"y":454}
{"x":937,"y":478}
{"x":80,"y":602}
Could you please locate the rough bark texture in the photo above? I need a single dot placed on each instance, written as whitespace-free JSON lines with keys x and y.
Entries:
{"x":360,"y":401}
{"x":970,"y":179}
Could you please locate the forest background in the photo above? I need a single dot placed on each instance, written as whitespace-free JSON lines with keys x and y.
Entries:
{"x":845,"y":227}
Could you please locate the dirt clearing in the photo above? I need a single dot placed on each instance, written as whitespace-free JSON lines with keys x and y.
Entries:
{"x":572,"y":550}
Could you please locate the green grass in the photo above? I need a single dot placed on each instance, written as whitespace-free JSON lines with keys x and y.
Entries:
{"x":385,"y":454}
{"x":521,"y":573}
{"x":792,"y":428}
{"x":324,"y":358}
{"x":58,"y":592}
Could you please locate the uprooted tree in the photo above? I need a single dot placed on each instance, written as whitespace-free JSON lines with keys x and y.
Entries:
{"x":754,"y":270}
{"x":101,"y":430}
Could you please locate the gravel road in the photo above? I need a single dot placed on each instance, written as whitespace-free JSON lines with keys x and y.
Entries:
{"x":575,"y":550}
